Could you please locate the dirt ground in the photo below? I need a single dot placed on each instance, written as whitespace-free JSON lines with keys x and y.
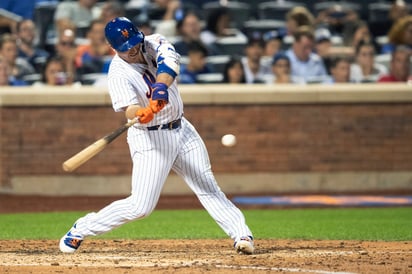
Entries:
{"x":189,"y":256}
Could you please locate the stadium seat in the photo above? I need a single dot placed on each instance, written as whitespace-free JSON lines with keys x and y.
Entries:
{"x":210,"y":78}
{"x":91,"y":78}
{"x":344,"y":4}
{"x":32,"y":78}
{"x":262,"y":26}
{"x":276,"y":10}
{"x":239,"y":12}
{"x":218,"y":62}
{"x":231,"y":46}
{"x":383,"y":59}
{"x":253,"y":6}
{"x":378,"y":12}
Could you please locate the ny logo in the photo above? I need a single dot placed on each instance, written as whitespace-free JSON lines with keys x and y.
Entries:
{"x":125,"y":33}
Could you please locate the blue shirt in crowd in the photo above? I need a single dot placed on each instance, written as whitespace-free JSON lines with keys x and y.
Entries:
{"x":312,"y":70}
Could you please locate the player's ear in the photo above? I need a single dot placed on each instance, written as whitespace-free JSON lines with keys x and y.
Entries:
{"x":133,"y":51}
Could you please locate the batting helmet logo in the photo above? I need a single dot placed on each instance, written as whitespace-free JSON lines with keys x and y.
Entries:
{"x":125,"y":33}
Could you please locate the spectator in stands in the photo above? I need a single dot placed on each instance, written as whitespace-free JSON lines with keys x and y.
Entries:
{"x":233,"y":72}
{"x":365,"y":69}
{"x":26,"y":33}
{"x":53,"y":73}
{"x":196,"y":65}
{"x":398,"y":10}
{"x":172,"y":13}
{"x":5,"y":78}
{"x":188,"y":30}
{"x":327,"y":50}
{"x":19,"y":10}
{"x":273,"y":43}
{"x":66,"y":49}
{"x":18,"y":67}
{"x":336,"y":18}
{"x":254,"y":66}
{"x":323,"y":46}
{"x":80,"y":13}
{"x":400,"y":66}
{"x":160,"y":8}
{"x":145,"y":27}
{"x":281,"y":73}
{"x":95,"y":56}
{"x":218,"y":26}
{"x":297,"y":17}
{"x":355,"y":32}
{"x":339,"y":70}
{"x":4,"y":73}
{"x":304,"y":62}
{"x":381,"y":26}
{"x":110,"y":10}
{"x":400,"y":34}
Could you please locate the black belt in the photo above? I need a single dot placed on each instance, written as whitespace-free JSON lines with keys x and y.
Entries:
{"x":172,"y":125}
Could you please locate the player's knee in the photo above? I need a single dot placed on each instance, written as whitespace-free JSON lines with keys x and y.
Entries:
{"x":140,"y":211}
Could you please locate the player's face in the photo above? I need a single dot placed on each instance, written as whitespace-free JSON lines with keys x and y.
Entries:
{"x":133,"y":55}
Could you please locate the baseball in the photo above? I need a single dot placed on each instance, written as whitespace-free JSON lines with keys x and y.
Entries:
{"x":229,"y":140}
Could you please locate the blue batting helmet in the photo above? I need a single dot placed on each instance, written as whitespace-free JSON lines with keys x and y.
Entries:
{"x":122,"y":34}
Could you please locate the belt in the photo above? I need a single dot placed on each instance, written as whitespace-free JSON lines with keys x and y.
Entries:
{"x":172,"y":125}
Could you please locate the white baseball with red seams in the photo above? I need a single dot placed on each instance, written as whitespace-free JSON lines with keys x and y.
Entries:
{"x":156,"y":152}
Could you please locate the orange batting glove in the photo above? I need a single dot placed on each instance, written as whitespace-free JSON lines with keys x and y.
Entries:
{"x":145,"y":115}
{"x":157,"y":105}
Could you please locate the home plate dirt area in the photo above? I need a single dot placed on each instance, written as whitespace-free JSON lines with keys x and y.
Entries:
{"x":206,"y":256}
{"x":191,"y":256}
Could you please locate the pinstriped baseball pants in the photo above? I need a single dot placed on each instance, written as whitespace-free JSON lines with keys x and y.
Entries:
{"x":154,"y":154}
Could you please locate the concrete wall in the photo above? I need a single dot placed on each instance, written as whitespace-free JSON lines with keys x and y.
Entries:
{"x":316,"y":138}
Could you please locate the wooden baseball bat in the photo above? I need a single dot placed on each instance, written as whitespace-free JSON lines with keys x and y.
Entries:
{"x":87,"y":153}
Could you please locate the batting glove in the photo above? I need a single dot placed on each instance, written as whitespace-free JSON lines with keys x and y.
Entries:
{"x":157,"y":105}
{"x":145,"y":115}
{"x":159,"y":92}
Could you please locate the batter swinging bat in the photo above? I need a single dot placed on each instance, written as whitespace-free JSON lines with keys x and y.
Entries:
{"x":86,"y":154}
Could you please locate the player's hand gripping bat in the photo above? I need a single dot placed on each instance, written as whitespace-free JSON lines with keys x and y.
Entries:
{"x":87,"y":153}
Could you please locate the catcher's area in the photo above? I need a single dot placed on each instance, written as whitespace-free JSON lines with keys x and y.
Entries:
{"x":194,"y":256}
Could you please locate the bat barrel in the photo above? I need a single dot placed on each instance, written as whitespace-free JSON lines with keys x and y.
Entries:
{"x":84,"y":155}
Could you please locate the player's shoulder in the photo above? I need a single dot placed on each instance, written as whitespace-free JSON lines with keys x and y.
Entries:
{"x":156,"y":39}
{"x":117,"y":65}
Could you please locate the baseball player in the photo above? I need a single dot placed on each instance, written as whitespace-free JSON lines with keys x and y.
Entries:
{"x":142,"y":83}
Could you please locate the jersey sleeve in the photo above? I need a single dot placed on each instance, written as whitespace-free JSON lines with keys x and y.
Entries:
{"x":121,"y":93}
{"x":167,"y":59}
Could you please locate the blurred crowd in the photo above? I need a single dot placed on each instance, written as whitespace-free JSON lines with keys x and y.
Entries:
{"x":63,"y":43}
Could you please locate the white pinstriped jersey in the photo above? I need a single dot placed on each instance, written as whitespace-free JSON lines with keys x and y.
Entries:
{"x":130,"y":83}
